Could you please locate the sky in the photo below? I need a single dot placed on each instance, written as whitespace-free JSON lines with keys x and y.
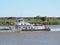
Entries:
{"x":29,"y":8}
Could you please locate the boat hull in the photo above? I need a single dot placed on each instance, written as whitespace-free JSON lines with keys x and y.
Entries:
{"x":36,"y":29}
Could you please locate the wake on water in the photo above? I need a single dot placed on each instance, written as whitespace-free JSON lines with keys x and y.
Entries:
{"x":55,"y":29}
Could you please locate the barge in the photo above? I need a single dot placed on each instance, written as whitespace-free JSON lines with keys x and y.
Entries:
{"x":25,"y":26}
{"x":21,"y":25}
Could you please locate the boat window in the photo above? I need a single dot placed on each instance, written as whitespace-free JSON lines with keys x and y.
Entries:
{"x":21,"y":24}
{"x":18,"y":20}
{"x":24,"y":24}
{"x":29,"y":27}
{"x":24,"y":27}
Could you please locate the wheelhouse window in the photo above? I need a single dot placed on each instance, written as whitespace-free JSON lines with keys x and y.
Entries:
{"x":20,"y":20}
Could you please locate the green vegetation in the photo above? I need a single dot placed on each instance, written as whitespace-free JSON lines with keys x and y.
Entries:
{"x":43,"y":20}
{"x":5,"y":21}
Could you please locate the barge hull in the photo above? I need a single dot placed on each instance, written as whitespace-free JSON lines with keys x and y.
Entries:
{"x":35,"y":29}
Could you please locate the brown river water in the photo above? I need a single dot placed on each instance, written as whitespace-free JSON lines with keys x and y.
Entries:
{"x":30,"y":38}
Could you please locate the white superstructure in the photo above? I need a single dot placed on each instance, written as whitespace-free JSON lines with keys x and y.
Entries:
{"x":21,"y":22}
{"x":25,"y":25}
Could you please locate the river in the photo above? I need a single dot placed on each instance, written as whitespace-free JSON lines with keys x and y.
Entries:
{"x":54,"y":27}
{"x":31,"y":37}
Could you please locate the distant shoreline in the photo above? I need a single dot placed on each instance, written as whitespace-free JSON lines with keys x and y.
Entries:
{"x":6,"y":21}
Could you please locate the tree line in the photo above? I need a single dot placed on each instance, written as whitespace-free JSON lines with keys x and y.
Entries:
{"x":33,"y":20}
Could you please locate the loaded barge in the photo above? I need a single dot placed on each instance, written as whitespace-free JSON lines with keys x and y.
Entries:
{"x":21,"y":25}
